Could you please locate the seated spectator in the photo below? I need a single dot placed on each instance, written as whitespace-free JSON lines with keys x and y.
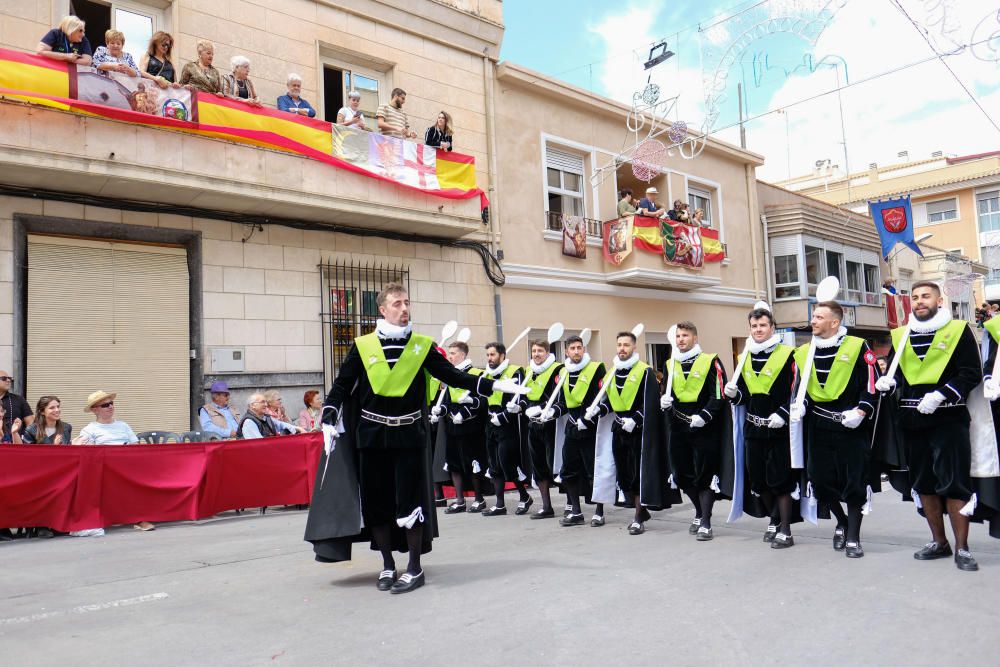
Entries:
{"x":276,"y":406}
{"x":238,"y":85}
{"x":350,"y":115}
{"x":9,"y":435}
{"x":293,"y":102}
{"x":258,"y":424}
{"x":309,"y":419}
{"x":648,"y":205}
{"x":16,"y":407}
{"x":199,"y":74}
{"x":67,"y":42}
{"x":439,"y":134}
{"x":699,"y":218}
{"x":157,"y":61}
{"x":392,"y":122}
{"x":48,"y":427}
{"x":217,"y":416}
{"x":626,"y":205}
{"x":113,"y":58}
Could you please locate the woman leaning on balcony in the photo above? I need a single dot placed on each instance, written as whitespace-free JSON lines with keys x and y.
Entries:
{"x":113,"y":58}
{"x":200,"y":75}
{"x":238,"y":85}
{"x":67,"y":42}
{"x":157,"y":60}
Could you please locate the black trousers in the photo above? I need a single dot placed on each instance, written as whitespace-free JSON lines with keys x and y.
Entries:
{"x":627,"y":450}
{"x":940,"y":459}
{"x":542,"y":446}
{"x":578,"y":461}
{"x":504,"y":451}
{"x":694,"y":458}
{"x":464,"y":451}
{"x":769,"y":465}
{"x":391,"y":483}
{"x":838,"y":465}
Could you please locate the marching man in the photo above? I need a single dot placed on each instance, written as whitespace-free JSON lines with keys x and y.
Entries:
{"x":541,"y":434}
{"x":503,"y":433}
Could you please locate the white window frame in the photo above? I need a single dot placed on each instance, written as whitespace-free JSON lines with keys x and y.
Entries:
{"x":873,"y":297}
{"x":714,"y":189}
{"x":561,"y":189}
{"x":854,"y":295}
{"x":797,"y":284}
{"x":698,"y":193}
{"x":956,"y":213}
{"x":984,"y":195}
{"x":379,"y":70}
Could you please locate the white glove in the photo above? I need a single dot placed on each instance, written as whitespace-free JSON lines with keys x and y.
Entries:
{"x":775,"y":420}
{"x":509,"y":386}
{"x":591,"y":412}
{"x":991,"y":389}
{"x":930,"y":402}
{"x":697,"y":421}
{"x":730,"y":390}
{"x":437,"y":410}
{"x":581,"y":425}
{"x":666,"y":401}
{"x":513,"y":407}
{"x":852,"y":418}
{"x":434,"y":419}
{"x":533,"y":412}
{"x":885,"y":384}
{"x":796,"y":412}
{"x":457,"y":418}
{"x":548,"y":415}
{"x":495,"y":419}
{"x":465,"y":399}
{"x":628,"y":424}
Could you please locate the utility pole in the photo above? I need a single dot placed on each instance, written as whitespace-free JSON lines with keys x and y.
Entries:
{"x":743,"y":131}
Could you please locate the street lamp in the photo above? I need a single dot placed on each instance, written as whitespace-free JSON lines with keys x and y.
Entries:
{"x":920,"y":239}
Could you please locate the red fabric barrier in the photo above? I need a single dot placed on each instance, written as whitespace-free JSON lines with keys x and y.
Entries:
{"x":76,"y":487}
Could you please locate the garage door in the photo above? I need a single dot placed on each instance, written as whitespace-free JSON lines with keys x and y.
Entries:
{"x":112,"y":316}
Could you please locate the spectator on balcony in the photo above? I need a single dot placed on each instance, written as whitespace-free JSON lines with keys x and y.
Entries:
{"x":67,"y":42}
{"x":699,"y":218}
{"x":392,"y":122}
{"x":309,"y":419}
{"x":113,"y":58}
{"x":626,"y":203}
{"x":293,"y":102}
{"x":238,"y":85}
{"x":439,"y":134}
{"x":648,"y":205}
{"x":257,"y":423}
{"x":889,"y":286}
{"x":200,"y":74}
{"x":217,"y":416}
{"x":157,"y":60}
{"x":48,"y":427}
{"x":350,"y":115}
{"x":674,"y":211}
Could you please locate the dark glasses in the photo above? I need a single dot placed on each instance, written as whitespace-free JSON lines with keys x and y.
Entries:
{"x":7,"y":378}
{"x":105,"y":405}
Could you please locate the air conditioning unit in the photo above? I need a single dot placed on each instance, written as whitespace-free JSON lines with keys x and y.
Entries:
{"x":227,"y":359}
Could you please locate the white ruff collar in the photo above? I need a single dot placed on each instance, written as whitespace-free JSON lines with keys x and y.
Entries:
{"x":465,"y":364}
{"x":386,"y":330}
{"x":493,"y":372}
{"x":628,"y":363}
{"x":573,"y":368}
{"x":690,"y":354}
{"x":832,"y":341}
{"x":544,"y":366}
{"x":927,"y":326}
{"x":757,"y":348}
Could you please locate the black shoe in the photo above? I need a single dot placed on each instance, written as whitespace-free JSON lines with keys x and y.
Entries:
{"x":644,"y":515}
{"x":839,"y":538}
{"x":6,"y":535}
{"x":567,"y":511}
{"x":455,"y":508}
{"x":45,"y":533}
{"x":408,"y":582}
{"x":636,"y":528}
{"x":770,"y":533}
{"x":782,"y":541}
{"x":704,"y":534}
{"x":965,"y":561}
{"x":523,"y":507}
{"x":572,"y":520}
{"x":439,"y":502}
{"x":933,"y":551}
{"x":693,"y":528}
{"x":854,"y":550}
{"x":544,"y":514}
{"x":495,"y":511}
{"x":386,"y":579}
{"x":597,"y":521}
{"x":477,"y":506}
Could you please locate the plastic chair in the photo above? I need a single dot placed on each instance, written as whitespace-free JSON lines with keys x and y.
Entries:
{"x":199,"y":436}
{"x":157,"y":437}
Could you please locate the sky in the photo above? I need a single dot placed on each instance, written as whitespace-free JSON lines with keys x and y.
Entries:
{"x":791,"y":56}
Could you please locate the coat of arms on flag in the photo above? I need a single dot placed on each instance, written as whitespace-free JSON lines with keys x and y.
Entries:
{"x":618,"y":240}
{"x":679,"y":244}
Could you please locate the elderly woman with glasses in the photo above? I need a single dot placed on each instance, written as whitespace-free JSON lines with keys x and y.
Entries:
{"x":200,"y":74}
{"x":293,"y":102}
{"x":238,"y":85}
{"x":112,"y":57}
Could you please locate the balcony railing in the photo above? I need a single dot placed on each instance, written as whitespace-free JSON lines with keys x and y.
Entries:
{"x":554,"y":222}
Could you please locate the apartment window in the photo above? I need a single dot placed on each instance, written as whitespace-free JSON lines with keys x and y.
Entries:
{"x":137,"y":20}
{"x":339,"y":80}
{"x":833,"y":265}
{"x":873,"y":285}
{"x":564,"y":182}
{"x":786,"y":277}
{"x":814,"y":268}
{"x":988,"y":208}
{"x":905,"y":281}
{"x":700,"y":199}
{"x":855,"y":281}
{"x":943,"y":210}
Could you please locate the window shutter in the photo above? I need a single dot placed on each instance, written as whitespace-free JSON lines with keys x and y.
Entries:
{"x":941,"y":206}
{"x":557,"y":159}
{"x":785,"y":245}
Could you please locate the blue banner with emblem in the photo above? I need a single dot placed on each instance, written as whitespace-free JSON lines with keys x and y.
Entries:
{"x":894,"y":223}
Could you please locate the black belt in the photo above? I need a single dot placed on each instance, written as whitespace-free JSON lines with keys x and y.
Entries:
{"x":828,"y":414}
{"x":684,"y":417}
{"x":912,"y":403}
{"x":401,"y":420}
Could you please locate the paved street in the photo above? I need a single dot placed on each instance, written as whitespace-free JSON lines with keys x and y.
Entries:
{"x":244,"y":590}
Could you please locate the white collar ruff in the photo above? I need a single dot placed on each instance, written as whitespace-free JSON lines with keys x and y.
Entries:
{"x":493,"y":372}
{"x":544,"y":366}
{"x":832,"y":341}
{"x":757,"y":348}
{"x":690,"y":354}
{"x":465,"y":364}
{"x":928,"y":326}
{"x":386,"y":330}
{"x":628,"y":363}
{"x":573,"y":368}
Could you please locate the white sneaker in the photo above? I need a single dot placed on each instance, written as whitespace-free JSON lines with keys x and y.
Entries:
{"x":89,"y":532}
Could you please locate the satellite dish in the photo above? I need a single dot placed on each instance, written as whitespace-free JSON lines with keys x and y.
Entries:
{"x":672,"y":335}
{"x":827,"y":289}
{"x":585,"y":336}
{"x":449,"y":329}
{"x":464,"y":335}
{"x":638,"y":329}
{"x":555,"y":332}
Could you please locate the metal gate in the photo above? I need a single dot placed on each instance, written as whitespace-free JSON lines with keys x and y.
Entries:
{"x":349,"y":305}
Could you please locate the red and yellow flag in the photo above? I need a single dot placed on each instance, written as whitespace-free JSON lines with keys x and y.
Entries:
{"x":677,"y":243}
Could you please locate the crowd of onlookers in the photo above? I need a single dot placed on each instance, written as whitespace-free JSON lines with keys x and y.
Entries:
{"x":69,"y":43}
{"x":647,"y":206}
{"x":986,"y":313}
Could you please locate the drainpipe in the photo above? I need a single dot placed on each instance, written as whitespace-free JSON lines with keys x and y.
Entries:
{"x":752,"y":206}
{"x":491,"y":144}
{"x":767,"y":261}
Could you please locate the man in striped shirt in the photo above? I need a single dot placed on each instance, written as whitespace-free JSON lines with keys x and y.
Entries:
{"x":392,"y":121}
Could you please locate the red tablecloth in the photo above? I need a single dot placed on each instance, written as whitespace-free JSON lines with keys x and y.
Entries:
{"x":75,"y":487}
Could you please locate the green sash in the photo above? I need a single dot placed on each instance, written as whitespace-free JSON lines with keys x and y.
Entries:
{"x":574,"y":397}
{"x":688,"y":388}
{"x":761,"y":383}
{"x":938,"y":355}
{"x":537,"y":383}
{"x":508,"y":373}
{"x":392,"y":382}
{"x":622,"y":402}
{"x":840,"y":370}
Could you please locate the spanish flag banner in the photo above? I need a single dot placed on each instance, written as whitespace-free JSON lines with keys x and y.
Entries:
{"x":55,"y":84}
{"x":679,"y":244}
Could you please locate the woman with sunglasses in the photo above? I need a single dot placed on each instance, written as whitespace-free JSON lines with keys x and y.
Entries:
{"x":157,"y":61}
